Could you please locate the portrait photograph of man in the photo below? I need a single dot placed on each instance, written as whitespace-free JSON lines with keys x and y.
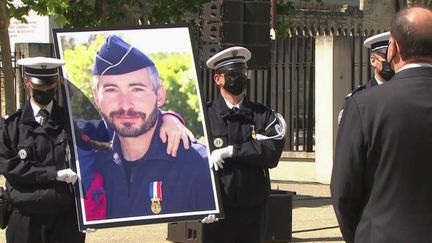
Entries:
{"x":139,"y":135}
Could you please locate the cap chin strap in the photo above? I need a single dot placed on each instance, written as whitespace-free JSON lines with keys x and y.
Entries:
{"x":280,"y":128}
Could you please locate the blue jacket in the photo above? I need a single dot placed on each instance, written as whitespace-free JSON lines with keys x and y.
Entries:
{"x":186,"y":182}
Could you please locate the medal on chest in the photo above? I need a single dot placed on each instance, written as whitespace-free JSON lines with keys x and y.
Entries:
{"x":253,"y":132}
{"x":156,"y":196}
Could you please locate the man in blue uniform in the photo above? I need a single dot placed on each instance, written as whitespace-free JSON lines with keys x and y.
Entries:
{"x":34,"y":145}
{"x":382,"y":70}
{"x":247,"y":139}
{"x":140,"y":178}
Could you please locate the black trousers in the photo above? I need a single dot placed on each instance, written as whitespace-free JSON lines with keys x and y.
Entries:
{"x":240,"y":225}
{"x":44,"y":228}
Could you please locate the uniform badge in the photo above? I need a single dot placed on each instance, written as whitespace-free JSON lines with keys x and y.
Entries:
{"x":218,"y":142}
{"x":156,"y":196}
{"x":22,"y":153}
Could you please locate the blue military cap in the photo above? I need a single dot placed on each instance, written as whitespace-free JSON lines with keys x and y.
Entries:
{"x":41,"y":70}
{"x":233,"y":58}
{"x":118,"y":57}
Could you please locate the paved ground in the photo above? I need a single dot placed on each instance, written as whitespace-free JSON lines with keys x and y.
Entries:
{"x":313,"y":219}
{"x":313,"y":216}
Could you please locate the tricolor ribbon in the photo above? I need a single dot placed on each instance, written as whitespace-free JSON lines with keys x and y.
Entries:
{"x":156,"y":189}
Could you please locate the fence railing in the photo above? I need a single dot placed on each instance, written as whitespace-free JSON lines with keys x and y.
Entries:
{"x":286,"y":85}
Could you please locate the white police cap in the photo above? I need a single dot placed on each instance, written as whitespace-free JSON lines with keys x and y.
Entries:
{"x":41,"y":70}
{"x":233,"y":58}
{"x":378,"y":42}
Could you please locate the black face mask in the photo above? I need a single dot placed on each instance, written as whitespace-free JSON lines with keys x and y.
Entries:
{"x":235,"y":83}
{"x":43,"y":97}
{"x":386,"y":72}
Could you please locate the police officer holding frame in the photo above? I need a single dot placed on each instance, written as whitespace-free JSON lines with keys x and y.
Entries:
{"x":246,"y":139}
{"x":34,"y":147}
{"x":382,"y":70}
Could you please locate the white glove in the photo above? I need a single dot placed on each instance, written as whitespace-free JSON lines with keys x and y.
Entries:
{"x":67,"y":175}
{"x":217,"y":157}
{"x":89,"y":230}
{"x":211,"y":218}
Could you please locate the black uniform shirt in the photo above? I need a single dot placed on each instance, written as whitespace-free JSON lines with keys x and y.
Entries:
{"x":245,"y":178}
{"x":30,"y":156}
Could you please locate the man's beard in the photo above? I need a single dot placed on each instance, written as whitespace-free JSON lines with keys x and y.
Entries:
{"x":126,"y":129}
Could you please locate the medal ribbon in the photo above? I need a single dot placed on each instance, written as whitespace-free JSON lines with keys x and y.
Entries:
{"x":156,"y":189}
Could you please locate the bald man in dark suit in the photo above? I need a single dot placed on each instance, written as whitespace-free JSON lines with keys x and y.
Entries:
{"x":382,"y":183}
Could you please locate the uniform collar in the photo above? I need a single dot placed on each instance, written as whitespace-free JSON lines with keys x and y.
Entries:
{"x":244,"y":109}
{"x":415,"y":65}
{"x":36,"y":107}
{"x":230,"y":106}
{"x":378,"y":80}
{"x":56,"y":120}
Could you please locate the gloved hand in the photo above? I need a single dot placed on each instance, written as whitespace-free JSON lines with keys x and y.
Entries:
{"x":217,"y":157}
{"x":89,"y":230}
{"x":67,"y":175}
{"x":211,"y":218}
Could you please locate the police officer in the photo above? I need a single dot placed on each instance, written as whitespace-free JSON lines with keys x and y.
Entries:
{"x":247,"y":139}
{"x":381,"y":176}
{"x":382,"y":70}
{"x":34,"y":149}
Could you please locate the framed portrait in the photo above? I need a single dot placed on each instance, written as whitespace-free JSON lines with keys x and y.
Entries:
{"x":127,"y":91}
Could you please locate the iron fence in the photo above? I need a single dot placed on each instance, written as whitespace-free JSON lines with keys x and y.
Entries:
{"x":286,"y":84}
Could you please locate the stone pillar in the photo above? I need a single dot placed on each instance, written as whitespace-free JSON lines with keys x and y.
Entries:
{"x":333,"y":82}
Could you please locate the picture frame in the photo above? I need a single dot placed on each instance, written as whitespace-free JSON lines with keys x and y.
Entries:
{"x":93,"y":151}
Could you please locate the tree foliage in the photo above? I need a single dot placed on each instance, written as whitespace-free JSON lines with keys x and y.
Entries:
{"x":177,"y":75}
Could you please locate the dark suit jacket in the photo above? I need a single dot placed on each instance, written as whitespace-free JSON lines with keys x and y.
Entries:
{"x":382,"y":175}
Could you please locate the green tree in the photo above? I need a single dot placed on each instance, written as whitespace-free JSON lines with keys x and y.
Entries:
{"x":178,"y":77}
{"x":98,"y":13}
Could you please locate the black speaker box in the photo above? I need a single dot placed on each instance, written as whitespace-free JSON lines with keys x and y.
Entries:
{"x":236,"y":11}
{"x":218,"y":11}
{"x":278,"y":223}
{"x":236,"y":33}
{"x":257,"y":12}
{"x":279,"y":216}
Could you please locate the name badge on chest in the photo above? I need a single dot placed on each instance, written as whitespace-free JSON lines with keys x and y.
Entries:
{"x":218,"y":142}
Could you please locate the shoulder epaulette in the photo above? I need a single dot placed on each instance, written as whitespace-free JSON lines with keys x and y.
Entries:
{"x":356,"y":90}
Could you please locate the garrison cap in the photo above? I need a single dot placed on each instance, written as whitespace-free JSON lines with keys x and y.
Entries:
{"x":118,"y":57}
{"x":378,"y":42}
{"x":233,"y":58}
{"x":41,"y":70}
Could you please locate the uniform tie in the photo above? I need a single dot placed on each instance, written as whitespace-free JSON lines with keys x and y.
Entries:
{"x":45,"y":115}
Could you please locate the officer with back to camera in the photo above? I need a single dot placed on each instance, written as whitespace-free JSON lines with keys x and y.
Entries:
{"x":34,"y":147}
{"x":382,"y":70}
{"x":246,"y":139}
